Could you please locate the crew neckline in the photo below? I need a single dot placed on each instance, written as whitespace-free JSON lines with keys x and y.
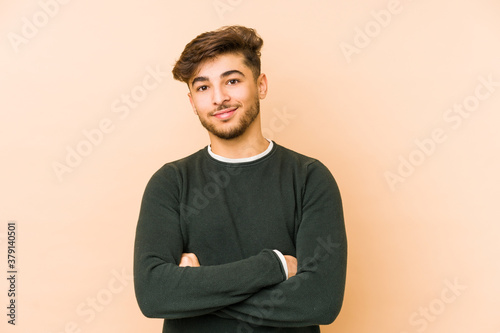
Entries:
{"x":241,"y":160}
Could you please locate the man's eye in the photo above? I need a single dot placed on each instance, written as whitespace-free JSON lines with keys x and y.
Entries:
{"x":233,"y":81}
{"x":201,"y":88}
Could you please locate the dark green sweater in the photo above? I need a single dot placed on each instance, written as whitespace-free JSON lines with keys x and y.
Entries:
{"x":232,"y":216}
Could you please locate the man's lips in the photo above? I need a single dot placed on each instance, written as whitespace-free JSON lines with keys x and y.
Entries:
{"x":224,"y":114}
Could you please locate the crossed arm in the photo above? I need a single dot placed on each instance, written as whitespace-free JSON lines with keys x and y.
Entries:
{"x":172,"y":284}
{"x":191,"y":260}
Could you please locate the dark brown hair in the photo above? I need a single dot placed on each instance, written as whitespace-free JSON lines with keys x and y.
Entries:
{"x":208,"y":45}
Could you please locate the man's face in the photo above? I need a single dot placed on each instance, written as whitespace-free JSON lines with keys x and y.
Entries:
{"x":225,"y":96}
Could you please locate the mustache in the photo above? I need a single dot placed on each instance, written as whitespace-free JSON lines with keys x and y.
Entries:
{"x":226,"y":106}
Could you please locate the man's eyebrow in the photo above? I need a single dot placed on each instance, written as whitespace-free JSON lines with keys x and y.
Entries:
{"x":223,"y":75}
{"x":234,"y":71}
{"x":199,"y":78}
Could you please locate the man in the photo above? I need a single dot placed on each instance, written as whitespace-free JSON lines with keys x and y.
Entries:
{"x":243,"y":235}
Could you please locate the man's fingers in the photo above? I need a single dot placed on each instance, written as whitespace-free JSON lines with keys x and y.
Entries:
{"x":291,"y":263}
{"x":189,"y":260}
{"x":184,"y":261}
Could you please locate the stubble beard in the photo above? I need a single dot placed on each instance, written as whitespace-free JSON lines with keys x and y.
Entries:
{"x":245,"y":121}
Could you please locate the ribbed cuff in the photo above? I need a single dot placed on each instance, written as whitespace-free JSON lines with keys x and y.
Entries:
{"x":283,"y":262}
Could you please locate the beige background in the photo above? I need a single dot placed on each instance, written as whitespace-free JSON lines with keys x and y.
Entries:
{"x":366,"y":97}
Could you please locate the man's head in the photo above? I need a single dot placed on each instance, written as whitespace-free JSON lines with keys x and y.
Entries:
{"x":222,"y":71}
{"x":209,"y":45}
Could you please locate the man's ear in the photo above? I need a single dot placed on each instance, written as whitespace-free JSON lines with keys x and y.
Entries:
{"x":192,"y":103}
{"x":262,"y":85}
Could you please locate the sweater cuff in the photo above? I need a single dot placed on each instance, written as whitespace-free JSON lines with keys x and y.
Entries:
{"x":283,"y":262}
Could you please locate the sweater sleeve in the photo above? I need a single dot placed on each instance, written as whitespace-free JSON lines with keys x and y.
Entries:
{"x":314,"y":296}
{"x":165,"y":290}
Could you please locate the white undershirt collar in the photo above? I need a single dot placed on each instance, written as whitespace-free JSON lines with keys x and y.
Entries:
{"x":241,"y":160}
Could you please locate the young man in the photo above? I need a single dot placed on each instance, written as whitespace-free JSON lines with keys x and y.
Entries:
{"x":243,"y":235}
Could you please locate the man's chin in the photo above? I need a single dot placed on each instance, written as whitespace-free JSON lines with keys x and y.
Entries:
{"x":228,"y":135}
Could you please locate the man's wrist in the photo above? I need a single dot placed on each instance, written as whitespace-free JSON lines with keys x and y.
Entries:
{"x":283,"y":262}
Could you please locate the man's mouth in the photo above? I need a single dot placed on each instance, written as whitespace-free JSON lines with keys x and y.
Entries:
{"x":225,"y":114}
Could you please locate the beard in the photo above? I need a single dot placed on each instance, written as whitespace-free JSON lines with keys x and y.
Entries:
{"x":237,"y":130}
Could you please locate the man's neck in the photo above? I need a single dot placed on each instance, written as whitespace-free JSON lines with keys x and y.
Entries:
{"x":241,"y":147}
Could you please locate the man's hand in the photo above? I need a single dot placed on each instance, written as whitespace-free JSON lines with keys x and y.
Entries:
{"x":291,"y":263}
{"x":189,"y":260}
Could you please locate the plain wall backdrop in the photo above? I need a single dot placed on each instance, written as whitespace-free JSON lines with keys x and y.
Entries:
{"x":398,"y":98}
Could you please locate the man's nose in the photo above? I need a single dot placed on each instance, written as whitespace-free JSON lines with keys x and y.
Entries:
{"x":220,"y":96}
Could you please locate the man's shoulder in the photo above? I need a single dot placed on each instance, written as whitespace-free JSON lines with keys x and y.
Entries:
{"x":294,"y":156}
{"x":302,"y":161}
{"x":187,"y":160}
{"x":173,"y":168}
